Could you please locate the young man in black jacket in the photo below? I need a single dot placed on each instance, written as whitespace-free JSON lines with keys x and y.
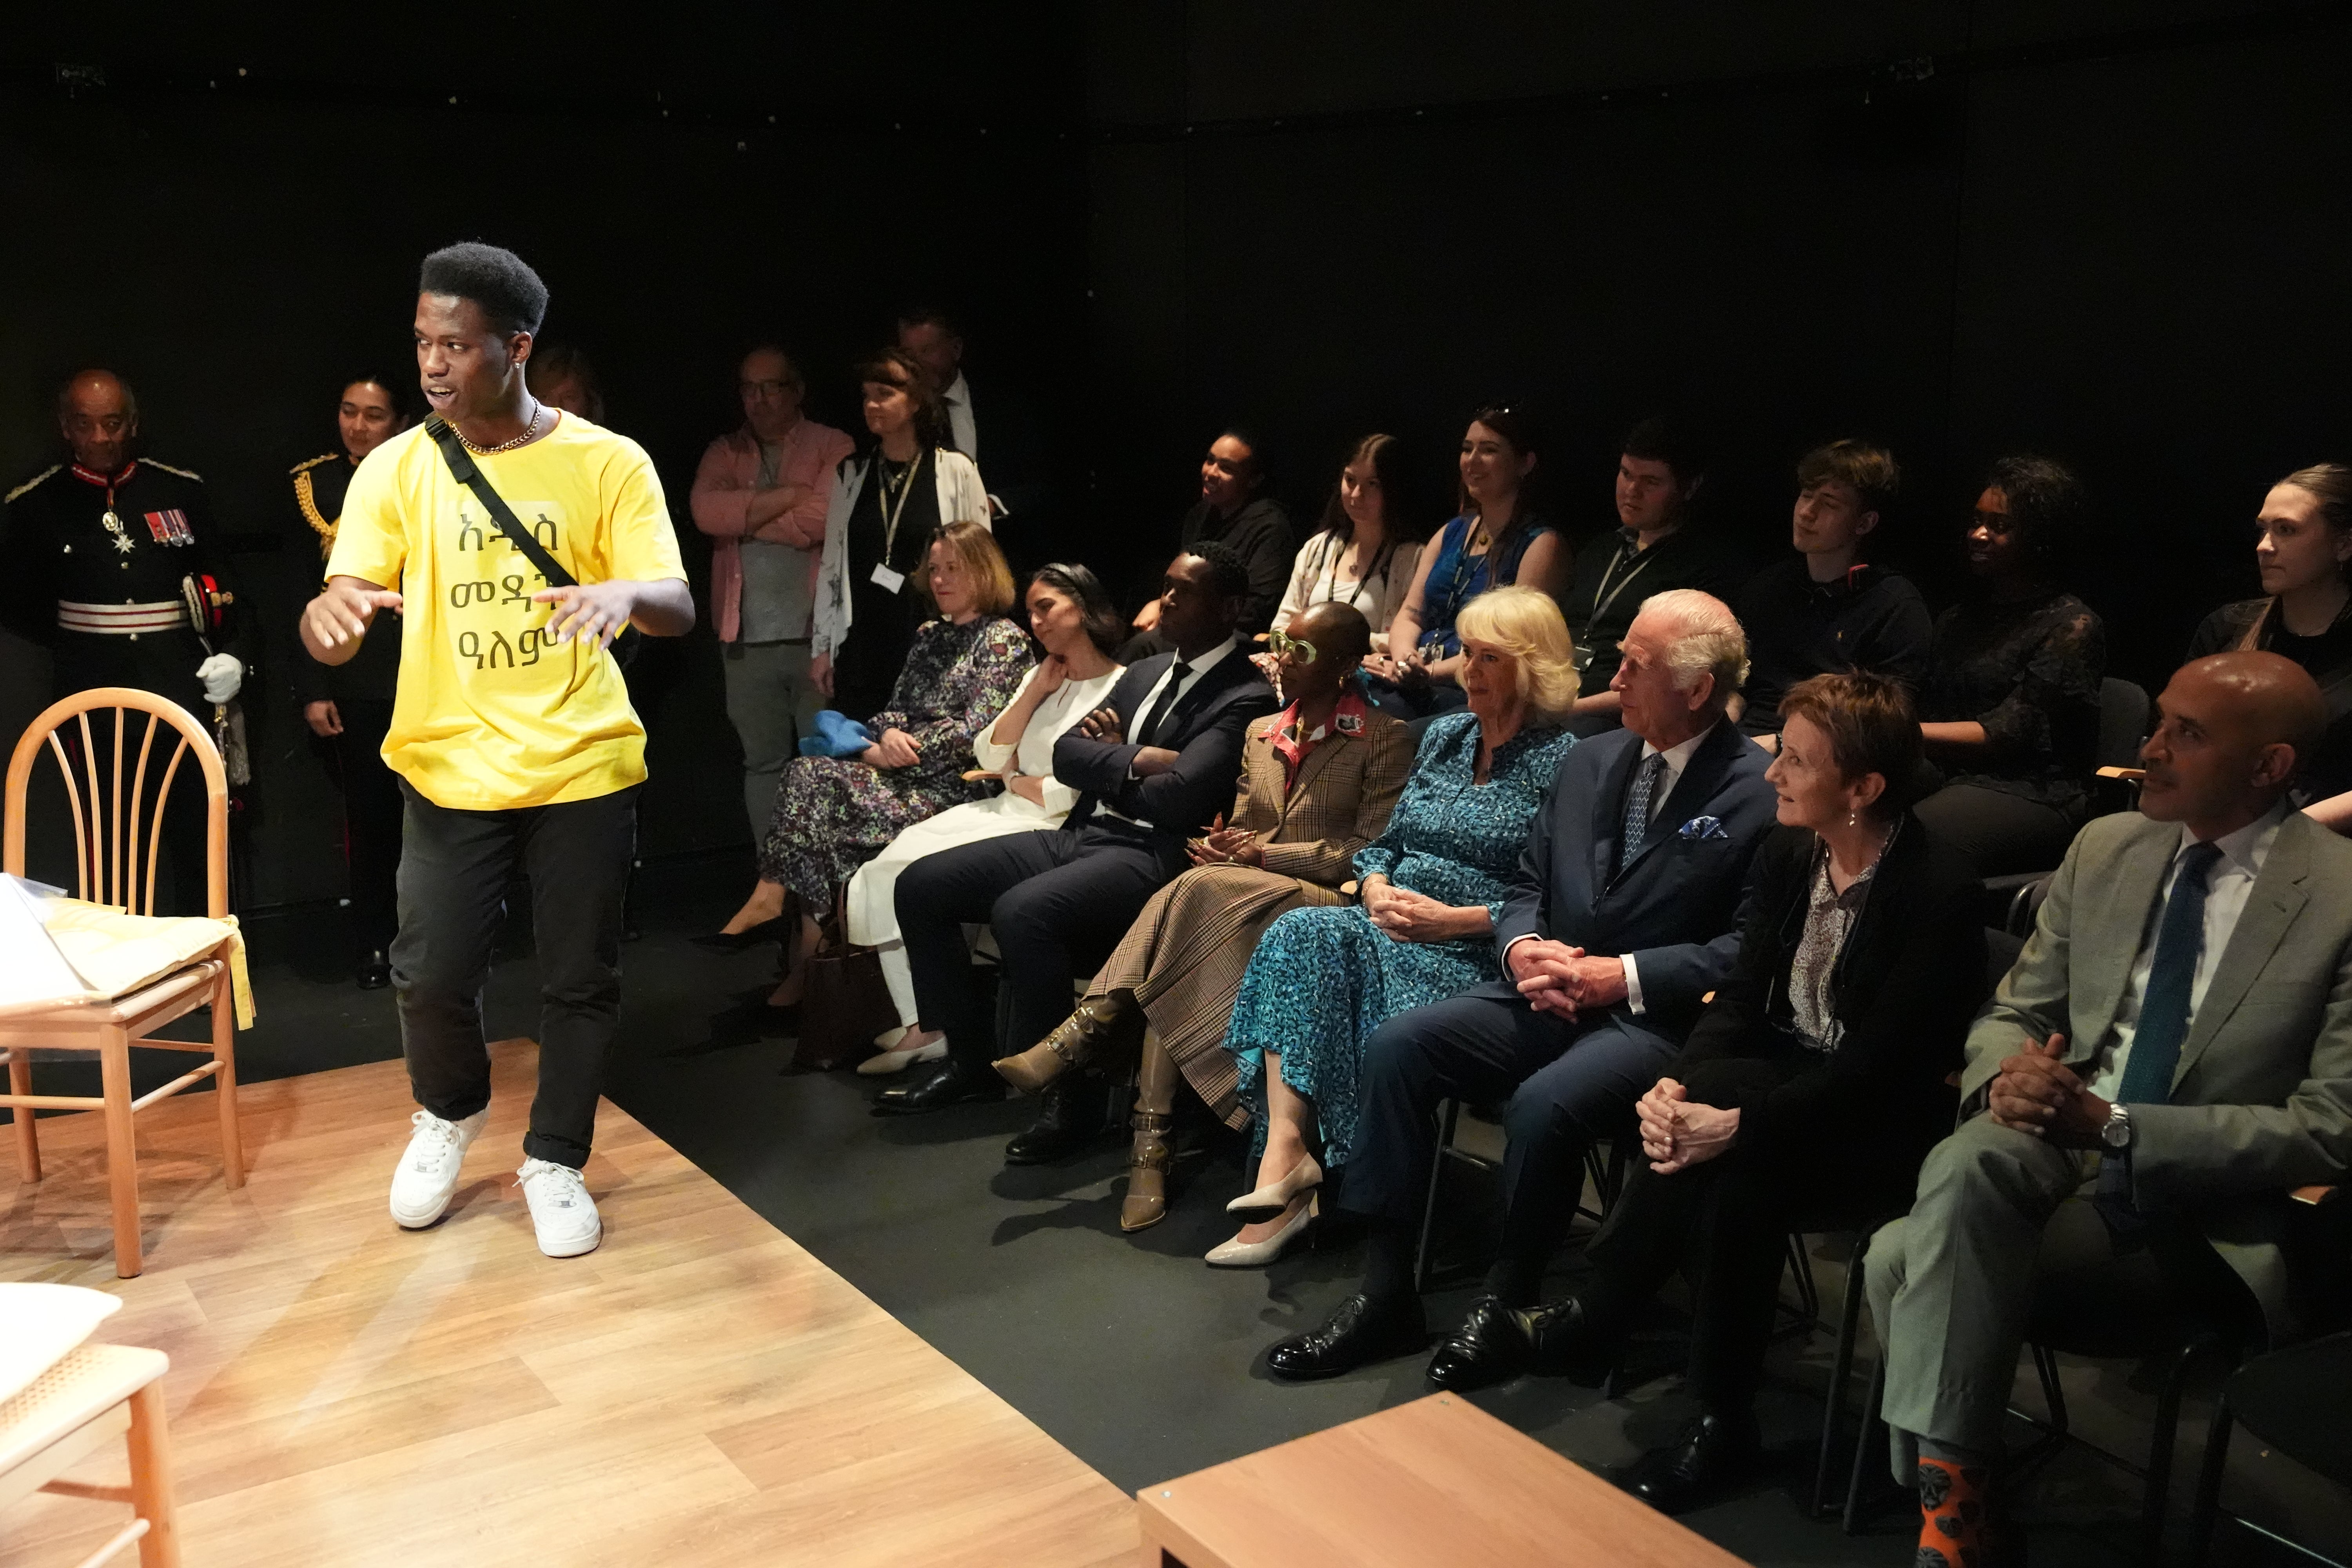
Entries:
{"x":1827,"y":612}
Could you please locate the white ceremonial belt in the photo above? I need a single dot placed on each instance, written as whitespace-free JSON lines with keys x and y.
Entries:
{"x":121,"y":620}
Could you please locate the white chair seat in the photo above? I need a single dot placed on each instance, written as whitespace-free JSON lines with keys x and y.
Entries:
{"x":69,"y":1411}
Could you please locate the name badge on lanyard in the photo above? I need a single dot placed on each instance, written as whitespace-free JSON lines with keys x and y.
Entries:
{"x":894,"y":506}
{"x":889,"y":582}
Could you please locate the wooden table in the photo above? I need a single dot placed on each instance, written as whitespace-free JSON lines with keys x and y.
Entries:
{"x":1435,"y":1482}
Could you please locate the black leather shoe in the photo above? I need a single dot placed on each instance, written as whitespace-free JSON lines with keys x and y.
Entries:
{"x":768,"y":933}
{"x":1490,"y":1347}
{"x":1360,"y":1333}
{"x":376,"y":970}
{"x":1561,"y":1343}
{"x":955,"y":1083}
{"x":1715,"y":1453}
{"x":1068,"y":1118}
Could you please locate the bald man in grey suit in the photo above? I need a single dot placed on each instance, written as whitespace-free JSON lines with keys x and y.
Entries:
{"x":2171,"y":1053}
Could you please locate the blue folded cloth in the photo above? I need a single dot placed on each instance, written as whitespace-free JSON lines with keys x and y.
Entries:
{"x":836,"y":736}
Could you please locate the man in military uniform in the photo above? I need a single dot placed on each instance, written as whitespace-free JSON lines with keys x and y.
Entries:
{"x":348,"y":706}
{"x":96,"y":549}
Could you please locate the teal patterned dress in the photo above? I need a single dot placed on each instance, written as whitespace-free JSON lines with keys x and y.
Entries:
{"x":1323,"y":979}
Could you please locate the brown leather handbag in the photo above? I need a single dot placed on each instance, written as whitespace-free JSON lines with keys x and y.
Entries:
{"x":844,"y":1003}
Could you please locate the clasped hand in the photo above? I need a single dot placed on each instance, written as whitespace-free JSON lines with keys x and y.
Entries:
{"x":1407,"y":915}
{"x":1559,"y":979}
{"x":1676,"y":1133}
{"x":1223,"y":846}
{"x":896,"y":749}
{"x":2036,"y":1092}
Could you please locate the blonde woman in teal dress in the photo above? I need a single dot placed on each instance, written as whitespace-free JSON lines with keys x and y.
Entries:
{"x":1323,"y":979}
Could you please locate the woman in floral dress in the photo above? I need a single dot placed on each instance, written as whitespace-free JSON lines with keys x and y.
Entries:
{"x":834,"y":814}
{"x":1323,"y":979}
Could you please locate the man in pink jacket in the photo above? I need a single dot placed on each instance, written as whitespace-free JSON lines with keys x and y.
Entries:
{"x":760,"y":496}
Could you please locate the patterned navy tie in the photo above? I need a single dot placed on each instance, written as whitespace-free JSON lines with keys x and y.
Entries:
{"x":1637,"y":809}
{"x":2163,"y":1008}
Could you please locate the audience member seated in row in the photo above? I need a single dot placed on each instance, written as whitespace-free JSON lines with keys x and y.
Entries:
{"x":1365,"y":553}
{"x":1235,"y":512}
{"x":888,"y":502}
{"x":833,"y":814}
{"x":1058,"y":901}
{"x":1323,"y":981}
{"x":1623,"y":915}
{"x":1809,"y":1089}
{"x":2170,"y":1055}
{"x":1071,"y":616}
{"x":2011,"y":704}
{"x":2303,"y":541}
{"x":1318,"y":781}
{"x":1497,"y":540}
{"x":759,"y":496}
{"x":1659,"y":546}
{"x":1827,"y":612}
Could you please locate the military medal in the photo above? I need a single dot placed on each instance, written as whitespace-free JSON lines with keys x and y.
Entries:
{"x":114,"y":526}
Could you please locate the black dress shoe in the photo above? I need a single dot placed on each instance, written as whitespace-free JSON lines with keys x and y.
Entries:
{"x":1068,"y":1118}
{"x":768,"y":931}
{"x":1360,"y":1333}
{"x":376,"y":970}
{"x":1561,"y":1343}
{"x":1490,"y":1347}
{"x":1714,"y":1453}
{"x":953,"y":1083}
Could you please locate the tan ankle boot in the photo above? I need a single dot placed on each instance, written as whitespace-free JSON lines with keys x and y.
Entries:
{"x":1087,"y":1032}
{"x":1145,"y":1204}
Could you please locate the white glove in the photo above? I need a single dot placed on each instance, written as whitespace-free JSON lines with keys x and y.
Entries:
{"x":222,"y":676}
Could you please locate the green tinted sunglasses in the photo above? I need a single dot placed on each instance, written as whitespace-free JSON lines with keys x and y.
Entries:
{"x":1284,"y":645}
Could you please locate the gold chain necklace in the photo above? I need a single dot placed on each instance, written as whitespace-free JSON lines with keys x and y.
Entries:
{"x":530,"y":432}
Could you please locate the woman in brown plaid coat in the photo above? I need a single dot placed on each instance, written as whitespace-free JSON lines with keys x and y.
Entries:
{"x":1317,"y":782}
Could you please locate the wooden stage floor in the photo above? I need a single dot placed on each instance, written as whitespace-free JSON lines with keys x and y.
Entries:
{"x":699,"y":1390}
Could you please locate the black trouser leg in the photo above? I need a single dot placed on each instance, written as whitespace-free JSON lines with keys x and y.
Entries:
{"x":578,"y":854}
{"x":1061,"y":924}
{"x":371,"y":815}
{"x":934,"y":899}
{"x":1741,"y":1238}
{"x":1649,"y":1234}
{"x":454,"y":867}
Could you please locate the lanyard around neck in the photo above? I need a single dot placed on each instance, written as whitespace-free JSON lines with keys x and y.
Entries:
{"x":890,"y":511}
{"x":1604,"y":595}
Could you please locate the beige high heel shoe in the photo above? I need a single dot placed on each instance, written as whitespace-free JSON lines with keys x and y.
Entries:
{"x":1274,"y":1196}
{"x":1240,"y":1254}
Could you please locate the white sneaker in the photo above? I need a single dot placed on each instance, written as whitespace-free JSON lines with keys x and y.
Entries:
{"x":561,"y":1209}
{"x":428,"y":1171}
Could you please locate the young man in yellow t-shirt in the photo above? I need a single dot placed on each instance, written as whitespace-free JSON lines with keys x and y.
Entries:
{"x":511,"y":730}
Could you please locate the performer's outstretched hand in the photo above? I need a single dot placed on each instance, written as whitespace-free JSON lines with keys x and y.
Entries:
{"x":334,"y":622}
{"x":589,"y":611}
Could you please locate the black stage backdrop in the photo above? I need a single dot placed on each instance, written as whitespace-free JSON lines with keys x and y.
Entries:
{"x":2114,"y":231}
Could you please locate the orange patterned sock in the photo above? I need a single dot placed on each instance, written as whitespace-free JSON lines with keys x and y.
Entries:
{"x":1952,"y":1514}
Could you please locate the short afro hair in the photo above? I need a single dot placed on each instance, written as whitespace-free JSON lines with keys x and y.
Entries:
{"x":1228,"y":573}
{"x":500,"y":281}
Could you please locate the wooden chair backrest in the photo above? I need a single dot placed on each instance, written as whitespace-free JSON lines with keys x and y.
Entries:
{"x":108,"y":848}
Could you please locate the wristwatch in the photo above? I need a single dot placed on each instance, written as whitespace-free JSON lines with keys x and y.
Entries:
{"x":2116,"y":1134}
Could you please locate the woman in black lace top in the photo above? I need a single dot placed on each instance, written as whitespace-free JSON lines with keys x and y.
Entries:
{"x":2010,"y":709}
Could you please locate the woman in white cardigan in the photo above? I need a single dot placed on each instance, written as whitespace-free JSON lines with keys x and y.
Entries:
{"x":1360,"y":555}
{"x":888,"y":502}
{"x":1071,"y":615}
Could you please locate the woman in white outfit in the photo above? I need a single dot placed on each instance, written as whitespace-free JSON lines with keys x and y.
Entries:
{"x":1071,"y":615}
{"x":1363,"y":553}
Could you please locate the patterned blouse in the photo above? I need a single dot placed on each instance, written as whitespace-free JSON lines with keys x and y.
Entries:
{"x":1830,"y":918}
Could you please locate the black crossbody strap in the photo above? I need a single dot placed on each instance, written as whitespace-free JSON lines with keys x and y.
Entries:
{"x":461,"y":464}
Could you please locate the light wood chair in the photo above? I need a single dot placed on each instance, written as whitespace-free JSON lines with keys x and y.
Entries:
{"x":96,"y":1394}
{"x":107,"y":867}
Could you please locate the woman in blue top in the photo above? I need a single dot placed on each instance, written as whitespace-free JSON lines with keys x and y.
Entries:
{"x":1497,"y":541}
{"x":1323,"y":979}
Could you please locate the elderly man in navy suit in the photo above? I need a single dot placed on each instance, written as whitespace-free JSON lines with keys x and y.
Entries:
{"x":1154,"y":766}
{"x":1623,"y":916}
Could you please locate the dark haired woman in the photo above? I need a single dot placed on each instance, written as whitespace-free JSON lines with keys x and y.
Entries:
{"x":2012,"y":700}
{"x":561,"y":375}
{"x":1495,"y":540}
{"x":2303,"y":541}
{"x":1070,"y":617}
{"x":833,"y":814}
{"x":1814,"y":1081}
{"x":348,"y":706}
{"x":889,"y":500}
{"x":1363,"y":554}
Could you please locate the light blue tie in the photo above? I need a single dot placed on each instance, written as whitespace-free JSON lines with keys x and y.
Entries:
{"x":1637,"y":809}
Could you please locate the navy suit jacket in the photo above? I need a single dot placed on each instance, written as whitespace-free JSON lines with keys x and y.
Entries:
{"x":1209,"y":727}
{"x":1675,"y":904}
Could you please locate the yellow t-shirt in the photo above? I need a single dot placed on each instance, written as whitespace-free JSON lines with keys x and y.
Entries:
{"x":492,"y":713}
